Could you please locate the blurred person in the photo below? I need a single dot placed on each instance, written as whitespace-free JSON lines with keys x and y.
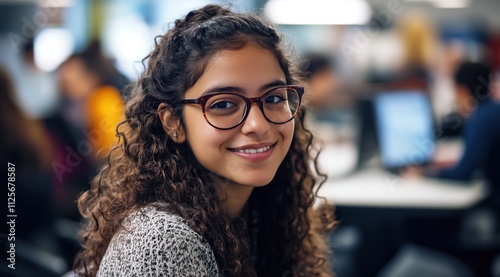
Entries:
{"x":206,"y":183}
{"x":481,"y":132}
{"x":24,"y":145}
{"x":418,"y":37}
{"x":321,"y":80}
{"x":413,"y":60}
{"x":493,"y":57}
{"x":448,"y":119}
{"x":477,"y":228}
{"x":92,"y":102}
{"x":82,"y":130}
{"x":324,"y":98}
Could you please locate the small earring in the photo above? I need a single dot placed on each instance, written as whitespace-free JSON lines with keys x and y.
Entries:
{"x":175,"y":135}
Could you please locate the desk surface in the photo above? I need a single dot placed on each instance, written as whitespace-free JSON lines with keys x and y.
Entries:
{"x":376,"y":187}
{"x":379,"y":188}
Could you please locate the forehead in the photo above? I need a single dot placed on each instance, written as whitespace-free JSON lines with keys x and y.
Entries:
{"x":248,"y":68}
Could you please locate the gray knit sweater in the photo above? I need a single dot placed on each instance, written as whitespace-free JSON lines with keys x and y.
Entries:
{"x":156,"y":243}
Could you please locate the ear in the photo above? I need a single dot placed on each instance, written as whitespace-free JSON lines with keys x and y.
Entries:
{"x":171,"y":124}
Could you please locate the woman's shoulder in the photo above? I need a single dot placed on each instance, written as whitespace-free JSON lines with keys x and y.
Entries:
{"x":155,"y":242}
{"x":156,"y":227}
{"x":153,"y":219}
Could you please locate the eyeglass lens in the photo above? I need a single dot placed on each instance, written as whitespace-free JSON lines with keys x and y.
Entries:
{"x":227,"y":110}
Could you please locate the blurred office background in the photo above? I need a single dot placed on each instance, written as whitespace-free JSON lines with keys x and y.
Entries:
{"x":372,"y":68}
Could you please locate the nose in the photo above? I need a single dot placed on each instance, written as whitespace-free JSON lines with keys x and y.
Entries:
{"x":255,"y":122}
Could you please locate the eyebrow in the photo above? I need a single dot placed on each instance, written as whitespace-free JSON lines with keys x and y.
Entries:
{"x":240,"y":90}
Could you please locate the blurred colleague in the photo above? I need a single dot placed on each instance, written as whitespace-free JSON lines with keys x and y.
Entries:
{"x":324,"y":97}
{"x":321,"y":80}
{"x":481,"y":131}
{"x":92,"y":102}
{"x":407,"y":59}
{"x":330,"y":107}
{"x":418,"y":38}
{"x":24,"y":146}
{"x":83,"y":129}
{"x":476,"y":229}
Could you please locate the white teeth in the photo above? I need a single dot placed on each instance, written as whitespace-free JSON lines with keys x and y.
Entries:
{"x":253,"y":151}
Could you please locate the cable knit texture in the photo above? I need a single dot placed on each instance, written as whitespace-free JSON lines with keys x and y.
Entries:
{"x":156,"y":243}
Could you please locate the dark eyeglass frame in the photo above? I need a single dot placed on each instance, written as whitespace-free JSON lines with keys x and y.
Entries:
{"x":202,"y":100}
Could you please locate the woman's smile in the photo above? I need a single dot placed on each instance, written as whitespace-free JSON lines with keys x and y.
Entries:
{"x":254,"y":153}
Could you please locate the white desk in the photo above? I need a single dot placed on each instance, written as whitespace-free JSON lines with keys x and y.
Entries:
{"x":379,"y":188}
{"x":376,"y":187}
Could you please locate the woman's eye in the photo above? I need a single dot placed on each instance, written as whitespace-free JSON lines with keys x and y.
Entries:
{"x":222,"y":104}
{"x":272,"y":99}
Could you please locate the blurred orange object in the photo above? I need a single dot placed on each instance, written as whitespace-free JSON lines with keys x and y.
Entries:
{"x":105,"y":111}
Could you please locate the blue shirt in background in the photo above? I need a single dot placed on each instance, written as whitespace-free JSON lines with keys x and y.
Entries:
{"x":481,"y":136}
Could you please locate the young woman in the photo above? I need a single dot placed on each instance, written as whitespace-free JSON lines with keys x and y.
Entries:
{"x":213,"y":176}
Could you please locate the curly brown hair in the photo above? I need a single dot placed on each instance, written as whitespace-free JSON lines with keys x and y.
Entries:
{"x":281,"y":234}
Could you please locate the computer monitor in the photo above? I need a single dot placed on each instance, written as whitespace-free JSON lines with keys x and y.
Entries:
{"x":404,"y":124}
{"x":367,"y":141}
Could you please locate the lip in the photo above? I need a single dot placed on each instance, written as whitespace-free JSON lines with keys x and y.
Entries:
{"x":254,"y":157}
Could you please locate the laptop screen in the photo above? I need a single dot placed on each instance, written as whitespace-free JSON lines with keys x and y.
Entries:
{"x":405,"y":128}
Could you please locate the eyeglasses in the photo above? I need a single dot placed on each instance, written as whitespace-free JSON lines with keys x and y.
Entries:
{"x":226,"y":110}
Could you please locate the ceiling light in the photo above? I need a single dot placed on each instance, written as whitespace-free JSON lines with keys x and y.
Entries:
{"x":56,"y":3}
{"x":52,"y":47}
{"x":450,"y":4}
{"x":446,"y":4}
{"x":318,"y":12}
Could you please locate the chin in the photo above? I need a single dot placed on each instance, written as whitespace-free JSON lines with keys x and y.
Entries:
{"x":256,"y":182}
